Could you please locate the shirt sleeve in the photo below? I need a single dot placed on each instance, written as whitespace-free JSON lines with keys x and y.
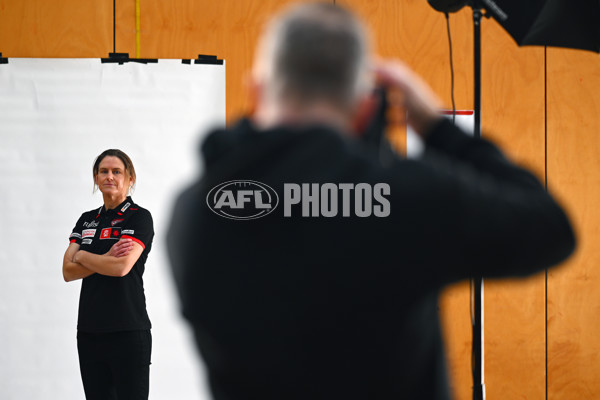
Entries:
{"x":76,"y":232}
{"x":481,"y":214}
{"x":139,"y":228}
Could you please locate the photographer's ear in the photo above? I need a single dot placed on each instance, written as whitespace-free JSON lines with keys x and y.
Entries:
{"x":253,"y":92}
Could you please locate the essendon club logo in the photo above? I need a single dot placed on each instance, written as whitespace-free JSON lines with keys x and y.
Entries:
{"x":110,"y":233}
{"x":242,"y":199}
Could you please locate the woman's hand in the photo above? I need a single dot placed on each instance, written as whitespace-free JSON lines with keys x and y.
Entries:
{"x":121,"y":248}
{"x":72,"y":270}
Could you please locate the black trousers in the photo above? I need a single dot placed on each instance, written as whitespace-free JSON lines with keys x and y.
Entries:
{"x":115,"y":365}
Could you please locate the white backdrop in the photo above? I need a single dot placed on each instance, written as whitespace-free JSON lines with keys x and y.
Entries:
{"x":56,"y":116}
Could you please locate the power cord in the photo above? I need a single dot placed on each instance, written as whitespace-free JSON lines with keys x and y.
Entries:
{"x":451,"y":66}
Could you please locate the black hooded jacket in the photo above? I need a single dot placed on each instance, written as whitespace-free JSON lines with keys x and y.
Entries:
{"x":345,"y":307}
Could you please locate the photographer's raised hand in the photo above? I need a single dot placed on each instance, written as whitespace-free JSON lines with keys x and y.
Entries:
{"x":419,"y":100}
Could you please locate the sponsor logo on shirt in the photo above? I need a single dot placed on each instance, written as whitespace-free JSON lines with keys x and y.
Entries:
{"x":116,"y":221}
{"x":91,"y":224}
{"x":110,"y":233}
{"x":127,"y":231}
{"x":88,"y":233}
{"x":125,"y":207}
{"x":86,"y":241}
{"x":75,"y":235}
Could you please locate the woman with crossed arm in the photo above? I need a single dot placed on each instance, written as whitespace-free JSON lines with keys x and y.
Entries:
{"x":108,"y":250}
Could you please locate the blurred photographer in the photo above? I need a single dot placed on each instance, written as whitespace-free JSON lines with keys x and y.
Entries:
{"x":305,"y":303}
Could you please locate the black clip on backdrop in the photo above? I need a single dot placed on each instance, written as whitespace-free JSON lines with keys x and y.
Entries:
{"x":204,"y":59}
{"x":122,"y":58}
{"x":3,"y":60}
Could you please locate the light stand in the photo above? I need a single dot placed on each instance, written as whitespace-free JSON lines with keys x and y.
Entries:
{"x":449,"y":6}
{"x":477,"y":282}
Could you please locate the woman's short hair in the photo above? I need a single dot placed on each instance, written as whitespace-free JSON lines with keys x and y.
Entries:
{"x":129,"y":169}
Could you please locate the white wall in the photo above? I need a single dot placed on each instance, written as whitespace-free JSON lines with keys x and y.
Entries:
{"x":56,"y":116}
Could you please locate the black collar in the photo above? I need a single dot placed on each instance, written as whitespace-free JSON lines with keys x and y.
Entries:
{"x":120,"y":209}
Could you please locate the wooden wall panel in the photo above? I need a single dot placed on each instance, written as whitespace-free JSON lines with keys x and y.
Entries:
{"x":456,"y":323}
{"x":65,"y":28}
{"x":227,"y":28}
{"x":574,"y":174}
{"x":125,"y":26}
{"x":514,"y":311}
{"x":415,"y":33}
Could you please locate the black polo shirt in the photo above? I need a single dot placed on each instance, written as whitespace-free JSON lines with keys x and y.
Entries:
{"x":106,"y":303}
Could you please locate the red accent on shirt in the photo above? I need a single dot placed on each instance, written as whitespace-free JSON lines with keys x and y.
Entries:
{"x":138,"y":241}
